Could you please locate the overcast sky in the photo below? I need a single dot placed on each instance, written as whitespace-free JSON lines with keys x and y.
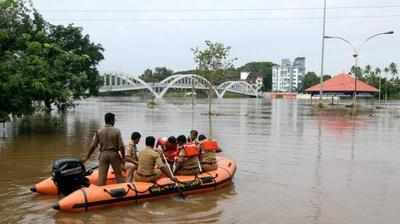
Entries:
{"x":144,"y":34}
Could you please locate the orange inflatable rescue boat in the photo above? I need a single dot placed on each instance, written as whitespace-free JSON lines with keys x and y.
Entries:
{"x":93,"y":196}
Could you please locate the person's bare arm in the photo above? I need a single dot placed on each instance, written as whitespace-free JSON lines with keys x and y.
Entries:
{"x":121,"y":146}
{"x":93,"y":146}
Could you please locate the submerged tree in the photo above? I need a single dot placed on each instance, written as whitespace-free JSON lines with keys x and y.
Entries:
{"x":212,"y":61}
{"x":43,"y":64}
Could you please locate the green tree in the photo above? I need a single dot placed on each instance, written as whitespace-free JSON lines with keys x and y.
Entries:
{"x":43,"y":64}
{"x":326,"y":77}
{"x":378,"y":71}
{"x":393,"y":69}
{"x":157,"y":75}
{"x":212,"y":62}
{"x":386,"y":84}
{"x":367,"y":69}
{"x":310,"y":79}
{"x":262,"y":68}
{"x":358,"y":71}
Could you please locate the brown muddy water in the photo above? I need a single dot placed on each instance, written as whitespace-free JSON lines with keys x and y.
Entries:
{"x":294,"y":166}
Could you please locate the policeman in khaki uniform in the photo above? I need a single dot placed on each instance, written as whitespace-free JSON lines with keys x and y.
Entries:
{"x":150,"y":164}
{"x":112,"y":151}
{"x":188,"y":158}
{"x":131,"y":158}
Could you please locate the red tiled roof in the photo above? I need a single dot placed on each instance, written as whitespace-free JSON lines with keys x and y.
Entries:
{"x":343,"y":83}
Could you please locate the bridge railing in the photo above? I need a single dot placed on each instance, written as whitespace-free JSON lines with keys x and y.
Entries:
{"x":119,"y":82}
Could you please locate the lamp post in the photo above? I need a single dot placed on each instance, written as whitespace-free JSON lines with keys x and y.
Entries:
{"x":321,"y":80}
{"x":356,"y":51}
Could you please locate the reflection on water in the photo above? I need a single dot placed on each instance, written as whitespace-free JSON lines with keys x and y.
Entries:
{"x":294,"y":165}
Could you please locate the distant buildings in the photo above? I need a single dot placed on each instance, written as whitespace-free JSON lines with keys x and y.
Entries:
{"x":288,"y":77}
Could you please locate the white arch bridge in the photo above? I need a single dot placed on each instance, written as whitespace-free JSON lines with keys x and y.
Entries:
{"x":121,"y":83}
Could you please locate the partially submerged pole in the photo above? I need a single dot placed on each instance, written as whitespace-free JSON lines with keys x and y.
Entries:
{"x":322,"y":54}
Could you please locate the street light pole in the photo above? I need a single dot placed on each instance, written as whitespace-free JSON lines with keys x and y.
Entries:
{"x":356,"y":52}
{"x":321,"y":80}
{"x":355,"y":56}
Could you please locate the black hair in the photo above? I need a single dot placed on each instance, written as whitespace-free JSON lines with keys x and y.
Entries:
{"x":181,"y":139}
{"x":195,"y":132}
{"x":172,"y":140}
{"x":150,"y":141}
{"x":109,"y":118}
{"x":135,"y":135}
{"x":202,"y":137}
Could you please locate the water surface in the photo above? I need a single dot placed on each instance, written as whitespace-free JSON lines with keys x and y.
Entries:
{"x":294,"y":165}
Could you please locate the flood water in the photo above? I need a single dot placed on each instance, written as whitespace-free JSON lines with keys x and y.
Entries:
{"x":294,"y":165}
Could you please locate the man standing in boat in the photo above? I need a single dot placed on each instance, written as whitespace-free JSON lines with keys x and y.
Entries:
{"x":112,"y":151}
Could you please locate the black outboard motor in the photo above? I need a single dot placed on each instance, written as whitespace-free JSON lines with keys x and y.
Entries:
{"x":69,"y":175}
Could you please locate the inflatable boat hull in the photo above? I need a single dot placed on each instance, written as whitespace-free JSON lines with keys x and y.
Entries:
{"x":100,"y":196}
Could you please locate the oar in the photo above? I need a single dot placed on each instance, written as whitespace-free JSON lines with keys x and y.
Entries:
{"x":176,"y":184}
{"x":198,"y":163}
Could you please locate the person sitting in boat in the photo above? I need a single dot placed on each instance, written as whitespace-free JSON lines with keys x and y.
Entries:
{"x":187,"y":162}
{"x":208,"y":150}
{"x":193,"y":137}
{"x":131,"y":158}
{"x":169,"y":147}
{"x":150,"y":164}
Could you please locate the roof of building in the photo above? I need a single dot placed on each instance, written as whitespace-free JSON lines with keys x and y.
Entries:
{"x":343,"y":83}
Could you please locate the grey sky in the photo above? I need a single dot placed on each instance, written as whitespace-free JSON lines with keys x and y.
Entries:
{"x":143,"y":34}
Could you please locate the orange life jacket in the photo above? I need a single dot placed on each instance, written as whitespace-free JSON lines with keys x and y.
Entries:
{"x":191,"y":150}
{"x":209,"y":145}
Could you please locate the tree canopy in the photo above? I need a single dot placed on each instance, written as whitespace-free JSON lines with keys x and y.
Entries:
{"x":310,"y":79}
{"x":213,"y":60}
{"x":260,"y":68}
{"x":156,"y":75}
{"x":42,"y":63}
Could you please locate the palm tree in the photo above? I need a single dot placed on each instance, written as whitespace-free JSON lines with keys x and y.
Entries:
{"x":367,"y":69}
{"x":378,"y":73}
{"x":393,"y":69}
{"x":386,"y":70}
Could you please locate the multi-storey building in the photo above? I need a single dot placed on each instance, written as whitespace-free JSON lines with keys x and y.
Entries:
{"x":288,"y":77}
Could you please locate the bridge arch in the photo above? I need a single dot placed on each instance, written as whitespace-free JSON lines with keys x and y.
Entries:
{"x":171,"y":80}
{"x":130,"y":80}
{"x":232,"y":86}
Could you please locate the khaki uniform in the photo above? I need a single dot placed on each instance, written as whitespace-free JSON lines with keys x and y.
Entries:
{"x":189,"y":166}
{"x":148,"y":160}
{"x":110,"y":142}
{"x":130,"y":152}
{"x":209,"y":161}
